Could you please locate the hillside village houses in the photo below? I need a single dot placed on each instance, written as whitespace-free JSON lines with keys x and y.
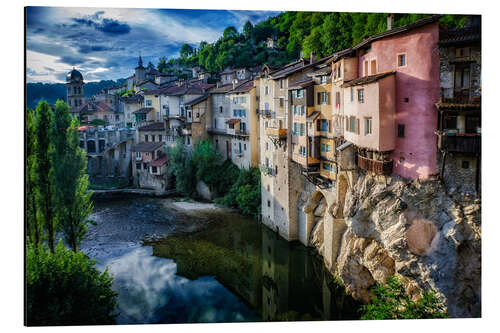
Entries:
{"x":403,"y":103}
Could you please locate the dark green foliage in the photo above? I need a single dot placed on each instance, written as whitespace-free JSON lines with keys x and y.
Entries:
{"x":74,"y":199}
{"x":162,"y":64}
{"x":228,"y":174}
{"x":392,"y":302}
{"x":322,"y":33}
{"x":182,"y":168}
{"x":44,"y":171}
{"x":245,"y":193}
{"x":207,"y":161}
{"x":64,"y":288}
{"x":33,"y":224}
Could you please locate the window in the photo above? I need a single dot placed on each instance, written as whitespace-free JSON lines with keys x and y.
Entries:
{"x":302,"y":130}
{"x":267,"y":145}
{"x":300,"y":93}
{"x":352,"y":94}
{"x":146,"y":138}
{"x":366,"y":67}
{"x":245,"y":147}
{"x":138,"y":154}
{"x":159,"y":138}
{"x":462,"y":76}
{"x":324,"y":125}
{"x":323,"y":79}
{"x":282,"y":102}
{"x":323,"y":149}
{"x":152,"y":138}
{"x":268,"y":203}
{"x":266,"y":90}
{"x":373,"y":67}
{"x":361,"y":95}
{"x":157,"y":115}
{"x":402,"y":60}
{"x":326,"y":166}
{"x":138,"y":166}
{"x":220,"y":109}
{"x":352,"y":123}
{"x":322,"y":98}
{"x":401,"y":130}
{"x":465,"y":164}
{"x":282,"y":83}
{"x":149,"y":102}
{"x":147,"y":154}
{"x":368,"y":126}
{"x":154,"y":169}
{"x":337,"y":98}
{"x":339,"y":72}
{"x":328,"y":148}
{"x":144,"y":166}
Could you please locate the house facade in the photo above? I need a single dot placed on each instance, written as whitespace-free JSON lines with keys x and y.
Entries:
{"x":459,"y":108}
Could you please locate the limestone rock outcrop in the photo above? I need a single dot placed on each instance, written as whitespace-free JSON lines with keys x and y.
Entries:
{"x":416,"y":230}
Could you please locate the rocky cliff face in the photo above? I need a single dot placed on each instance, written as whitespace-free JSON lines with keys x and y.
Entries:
{"x":418,"y":231}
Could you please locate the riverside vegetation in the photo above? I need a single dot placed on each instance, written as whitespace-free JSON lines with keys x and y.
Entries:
{"x":232,"y":187}
{"x":62,"y":285}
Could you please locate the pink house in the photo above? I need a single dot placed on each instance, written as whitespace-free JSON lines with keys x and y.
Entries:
{"x":411,"y":52}
{"x":410,"y":55}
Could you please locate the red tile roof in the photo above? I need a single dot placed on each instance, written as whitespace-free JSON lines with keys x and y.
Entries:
{"x":367,"y":79}
{"x":160,"y":161}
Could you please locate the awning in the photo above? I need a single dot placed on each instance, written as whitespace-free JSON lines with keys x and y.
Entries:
{"x":233,"y":121}
{"x":344,"y":146}
{"x":312,"y":117}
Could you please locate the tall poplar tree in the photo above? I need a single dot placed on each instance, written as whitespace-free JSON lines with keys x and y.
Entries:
{"x":44,"y":171}
{"x":73,"y":183}
{"x":33,"y":228}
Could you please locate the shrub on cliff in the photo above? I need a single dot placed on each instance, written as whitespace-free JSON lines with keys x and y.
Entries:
{"x":392,"y":302}
{"x":64,"y":288}
{"x":245,"y":193}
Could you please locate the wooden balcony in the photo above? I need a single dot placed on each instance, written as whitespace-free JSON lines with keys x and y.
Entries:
{"x":276,"y":132}
{"x":268,"y":114}
{"x":378,"y":167}
{"x":469,"y":144}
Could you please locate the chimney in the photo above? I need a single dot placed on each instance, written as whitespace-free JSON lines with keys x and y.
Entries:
{"x":390,"y":21}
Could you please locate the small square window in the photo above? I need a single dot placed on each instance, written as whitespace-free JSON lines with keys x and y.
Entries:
{"x":465,"y":164}
{"x":402,"y":60}
{"x":407,"y":100}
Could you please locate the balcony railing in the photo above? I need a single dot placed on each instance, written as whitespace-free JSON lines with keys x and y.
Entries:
{"x":276,"y":132}
{"x":470,"y":144}
{"x":378,"y":167}
{"x":268,"y":114}
{"x":267,"y":170}
{"x":462,"y":97}
{"x":240,"y":132}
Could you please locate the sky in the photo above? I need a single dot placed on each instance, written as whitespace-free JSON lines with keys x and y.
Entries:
{"x":104,"y":43}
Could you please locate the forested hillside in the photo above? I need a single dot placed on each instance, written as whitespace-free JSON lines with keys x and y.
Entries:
{"x":54,"y":91}
{"x":320,"y":32}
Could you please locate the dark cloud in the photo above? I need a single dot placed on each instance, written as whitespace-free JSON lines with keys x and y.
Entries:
{"x":71,"y":60}
{"x":97,"y":48}
{"x":108,"y":26}
{"x":113,"y":27}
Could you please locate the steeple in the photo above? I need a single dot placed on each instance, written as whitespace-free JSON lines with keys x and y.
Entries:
{"x":140,"y":61}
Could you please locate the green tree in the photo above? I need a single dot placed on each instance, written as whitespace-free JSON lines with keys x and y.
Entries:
{"x":207,"y":163}
{"x":182,"y":168}
{"x":392,"y":302}
{"x":75,"y":198}
{"x":185,"y":51}
{"x":33,"y":226}
{"x":247,"y":30}
{"x":44,"y":171}
{"x":162,"y":64}
{"x":64,"y":288}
